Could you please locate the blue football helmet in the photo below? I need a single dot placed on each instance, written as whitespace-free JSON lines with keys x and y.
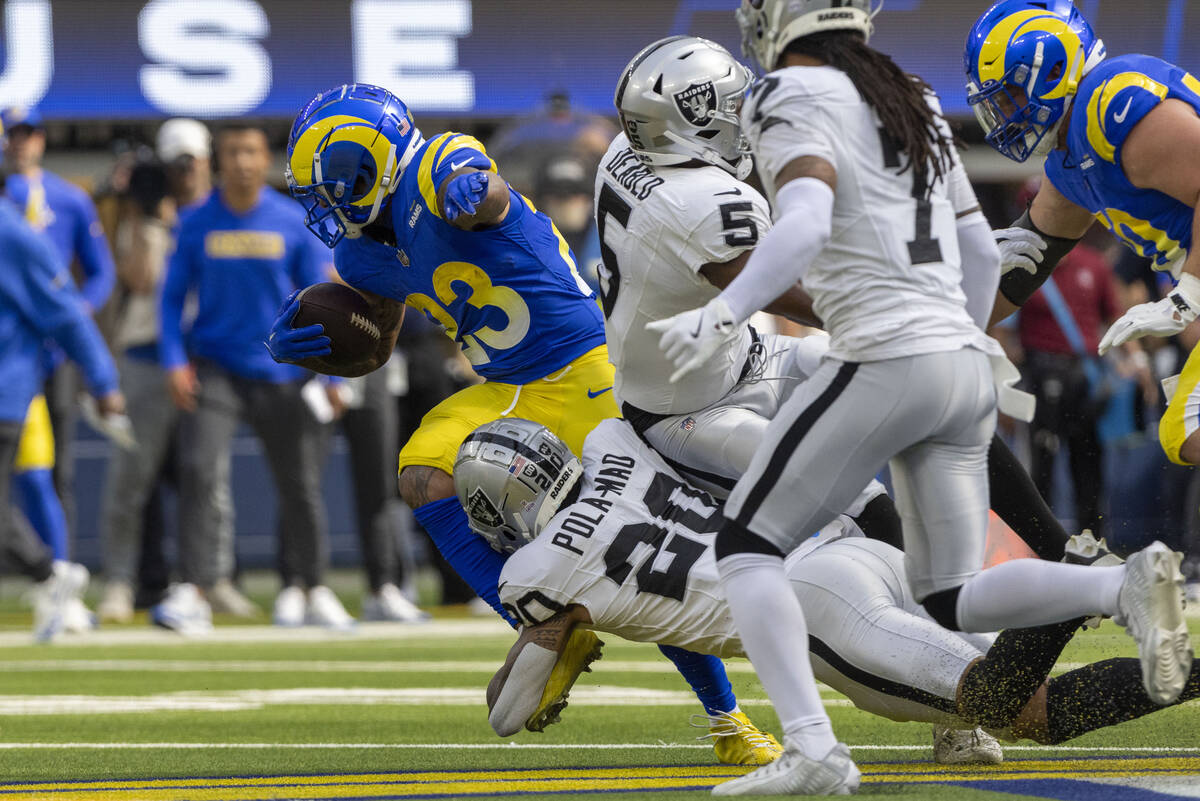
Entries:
{"x":1024,"y":60}
{"x":345,"y":155}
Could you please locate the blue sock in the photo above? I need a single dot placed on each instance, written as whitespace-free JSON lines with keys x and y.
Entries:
{"x":706,"y":676}
{"x":39,"y":501}
{"x":467,"y":552}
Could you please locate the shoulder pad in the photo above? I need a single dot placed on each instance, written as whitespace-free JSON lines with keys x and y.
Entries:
{"x":442,"y":156}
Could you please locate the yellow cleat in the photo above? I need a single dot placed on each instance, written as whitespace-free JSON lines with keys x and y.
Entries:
{"x":581,"y":650}
{"x":736,"y":740}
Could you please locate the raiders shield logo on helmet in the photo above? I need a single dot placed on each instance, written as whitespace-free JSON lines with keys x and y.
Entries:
{"x":697,"y":103}
{"x":481,"y":508}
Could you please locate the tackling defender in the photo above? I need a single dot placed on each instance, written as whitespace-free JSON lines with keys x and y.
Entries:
{"x":677,"y":223}
{"x":628,"y":550}
{"x":875,"y":214}
{"x":1120,"y":138}
{"x":431,"y":224}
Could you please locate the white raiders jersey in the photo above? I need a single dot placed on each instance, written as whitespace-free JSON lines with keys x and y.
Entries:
{"x":635,"y":549}
{"x":658,"y":226}
{"x":888,"y":282}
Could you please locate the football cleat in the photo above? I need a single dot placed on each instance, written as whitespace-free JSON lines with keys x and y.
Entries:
{"x":117,"y":604}
{"x":1084,"y":549}
{"x":53,"y":597}
{"x":793,"y":773}
{"x":962,"y":747}
{"x":736,"y":740}
{"x":324,"y":609}
{"x":582,"y":649}
{"x":289,"y":607}
{"x":1150,"y":607}
{"x":229,"y":600}
{"x":389,"y":604}
{"x":183,"y":610}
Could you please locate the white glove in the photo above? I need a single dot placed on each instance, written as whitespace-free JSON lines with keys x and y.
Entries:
{"x":1019,"y":248}
{"x":691,"y":337}
{"x":1162,"y":318}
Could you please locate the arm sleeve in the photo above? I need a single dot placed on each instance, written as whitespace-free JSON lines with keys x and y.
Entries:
{"x":178,"y":280}
{"x":52,"y":304}
{"x":95,"y":258}
{"x":980,"y":265}
{"x":784,"y":255}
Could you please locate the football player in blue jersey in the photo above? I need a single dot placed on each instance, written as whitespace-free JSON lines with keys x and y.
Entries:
{"x":430,"y":223}
{"x":1121,"y":141}
{"x":66,"y":218}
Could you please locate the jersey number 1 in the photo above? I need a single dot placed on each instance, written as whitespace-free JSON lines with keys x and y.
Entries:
{"x":924,"y":249}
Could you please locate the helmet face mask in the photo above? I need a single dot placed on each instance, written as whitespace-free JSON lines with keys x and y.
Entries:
{"x":347,"y":150}
{"x":1024,"y":61}
{"x":768,"y":26}
{"x":512,"y":476}
{"x":678,"y":100}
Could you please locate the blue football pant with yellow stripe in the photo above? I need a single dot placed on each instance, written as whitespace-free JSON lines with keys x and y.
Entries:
{"x":33,"y":479}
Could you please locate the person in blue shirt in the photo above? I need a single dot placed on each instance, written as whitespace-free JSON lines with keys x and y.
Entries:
{"x":39,"y":302}
{"x":66,"y":216}
{"x":431,"y":224}
{"x":1119,"y":137}
{"x":239,"y":254}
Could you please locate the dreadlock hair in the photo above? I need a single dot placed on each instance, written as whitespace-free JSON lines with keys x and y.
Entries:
{"x":900,"y":99}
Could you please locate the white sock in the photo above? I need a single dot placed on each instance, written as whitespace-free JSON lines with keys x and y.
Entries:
{"x":771,"y":624}
{"x":1033,"y":592}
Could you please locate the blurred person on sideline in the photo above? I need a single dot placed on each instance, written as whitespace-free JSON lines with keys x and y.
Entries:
{"x":161,"y":185}
{"x":239,"y":254}
{"x":521,"y":145}
{"x":39,"y":302}
{"x":563,"y":187}
{"x":369,"y":426}
{"x":66,"y":216}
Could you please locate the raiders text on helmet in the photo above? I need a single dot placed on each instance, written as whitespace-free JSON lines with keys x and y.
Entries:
{"x":768,"y":26}
{"x":511,"y":477}
{"x":678,"y":100}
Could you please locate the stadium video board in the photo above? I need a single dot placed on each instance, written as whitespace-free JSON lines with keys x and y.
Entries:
{"x":82,"y":59}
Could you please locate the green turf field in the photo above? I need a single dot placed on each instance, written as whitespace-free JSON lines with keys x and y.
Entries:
{"x":398,"y":712}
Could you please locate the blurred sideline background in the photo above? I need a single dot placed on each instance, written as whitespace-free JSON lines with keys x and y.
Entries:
{"x":533,"y":79}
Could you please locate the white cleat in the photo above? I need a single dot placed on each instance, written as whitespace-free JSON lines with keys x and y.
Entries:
{"x":1151,"y":609}
{"x":183,"y":610}
{"x":289,"y":607}
{"x":53,"y":597}
{"x":389,"y":604}
{"x":117,"y":604}
{"x":77,"y":618}
{"x":795,"y":774}
{"x":324,"y":609}
{"x":962,"y":747}
{"x":228,"y":600}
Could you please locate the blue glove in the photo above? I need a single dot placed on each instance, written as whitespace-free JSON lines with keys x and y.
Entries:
{"x":287,"y":344}
{"x":464,"y":193}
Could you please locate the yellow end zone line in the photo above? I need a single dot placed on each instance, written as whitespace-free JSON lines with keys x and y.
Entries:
{"x":612,"y":779}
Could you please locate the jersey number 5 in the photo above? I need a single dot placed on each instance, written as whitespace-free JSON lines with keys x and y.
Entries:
{"x":610,"y":204}
{"x":670,"y":582}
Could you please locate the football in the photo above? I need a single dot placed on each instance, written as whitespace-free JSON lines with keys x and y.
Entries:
{"x":349,"y":323}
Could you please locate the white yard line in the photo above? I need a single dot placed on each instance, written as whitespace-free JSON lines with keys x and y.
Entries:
{"x":148,"y":635}
{"x":556,"y":746}
{"x":302,"y":666}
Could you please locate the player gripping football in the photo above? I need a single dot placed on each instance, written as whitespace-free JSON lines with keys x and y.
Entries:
{"x":432,"y":225}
